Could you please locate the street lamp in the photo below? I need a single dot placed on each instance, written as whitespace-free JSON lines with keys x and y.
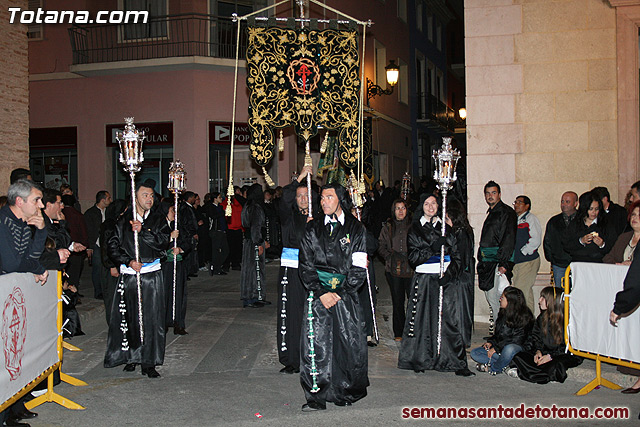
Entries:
{"x":393,"y":73}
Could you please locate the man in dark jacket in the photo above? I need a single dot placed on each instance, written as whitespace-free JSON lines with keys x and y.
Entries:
{"x":553,"y":251}
{"x":93,"y":219}
{"x":497,"y":242}
{"x":615,"y":215}
{"x":78,"y":232}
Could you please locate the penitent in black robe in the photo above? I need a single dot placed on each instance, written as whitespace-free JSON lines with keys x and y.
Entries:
{"x":185,"y":242}
{"x":419,"y":348}
{"x":123,"y":342}
{"x":340,"y":342}
{"x":252,"y":275}
{"x":293,"y":296}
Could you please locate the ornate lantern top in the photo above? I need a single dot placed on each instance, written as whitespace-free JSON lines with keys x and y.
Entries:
{"x":177,"y":177}
{"x":446,"y":159}
{"x":130,"y":142}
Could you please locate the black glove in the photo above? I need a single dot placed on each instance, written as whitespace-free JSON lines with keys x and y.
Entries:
{"x":439,"y":242}
{"x":443,"y":280}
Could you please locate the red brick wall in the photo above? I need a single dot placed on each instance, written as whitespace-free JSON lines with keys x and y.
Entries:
{"x":14,"y":94}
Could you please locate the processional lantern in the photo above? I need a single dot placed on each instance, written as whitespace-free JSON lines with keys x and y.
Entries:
{"x":446,"y":159}
{"x":130,"y":141}
{"x":177,"y":185}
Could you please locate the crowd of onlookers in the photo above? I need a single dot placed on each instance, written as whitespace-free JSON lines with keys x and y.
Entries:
{"x":589,"y":228}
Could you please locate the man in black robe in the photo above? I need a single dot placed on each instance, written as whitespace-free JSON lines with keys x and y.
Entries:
{"x":252,"y":274}
{"x":293,"y":209}
{"x":333,"y":264}
{"x":124,"y":342}
{"x":497,"y":242}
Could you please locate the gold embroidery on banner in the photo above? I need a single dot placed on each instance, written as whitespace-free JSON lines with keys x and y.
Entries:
{"x":305,"y":78}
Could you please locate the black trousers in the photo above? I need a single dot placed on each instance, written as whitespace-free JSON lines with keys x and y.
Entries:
{"x":234,"y":238}
{"x":219,"y":249}
{"x":74,"y":268}
{"x":400,"y":288}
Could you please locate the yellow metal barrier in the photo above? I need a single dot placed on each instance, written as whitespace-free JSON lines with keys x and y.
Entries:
{"x":598,"y":380}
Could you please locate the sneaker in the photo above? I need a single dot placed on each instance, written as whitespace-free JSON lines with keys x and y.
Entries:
{"x":482,"y":367}
{"x":511,"y":372}
{"x":493,"y":373}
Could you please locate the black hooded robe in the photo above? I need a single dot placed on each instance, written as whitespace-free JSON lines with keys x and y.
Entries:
{"x":293,"y":295}
{"x":419,"y":348}
{"x":252,"y":275}
{"x":339,"y":342}
{"x":123,"y":341}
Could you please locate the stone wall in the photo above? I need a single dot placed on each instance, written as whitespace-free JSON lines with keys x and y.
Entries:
{"x":14,"y":94}
{"x":541,"y":101}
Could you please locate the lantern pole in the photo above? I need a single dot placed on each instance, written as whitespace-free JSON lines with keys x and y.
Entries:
{"x":131,"y":157}
{"x":177,"y":184}
{"x":446,"y":159}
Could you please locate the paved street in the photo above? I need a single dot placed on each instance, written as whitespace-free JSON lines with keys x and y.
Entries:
{"x":225,"y":372}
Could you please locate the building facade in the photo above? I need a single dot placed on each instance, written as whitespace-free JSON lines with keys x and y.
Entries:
{"x":175,"y":75}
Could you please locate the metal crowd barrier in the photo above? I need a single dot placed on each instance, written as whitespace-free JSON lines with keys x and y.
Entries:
{"x":17,"y":326}
{"x":599,"y":358}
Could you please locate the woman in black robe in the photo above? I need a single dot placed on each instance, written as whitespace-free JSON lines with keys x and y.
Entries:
{"x":543,"y":358}
{"x":252,"y":275}
{"x":462,"y":289}
{"x":424,"y":346}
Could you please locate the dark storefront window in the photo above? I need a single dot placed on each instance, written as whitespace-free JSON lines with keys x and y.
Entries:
{"x":53,"y":156}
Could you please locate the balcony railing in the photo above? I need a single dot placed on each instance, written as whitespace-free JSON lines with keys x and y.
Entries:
{"x":161,"y":37}
{"x":435,"y":112}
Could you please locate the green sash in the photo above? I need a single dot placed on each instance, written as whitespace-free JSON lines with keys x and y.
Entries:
{"x":491,"y":254}
{"x":330,"y":281}
{"x":170,"y":255}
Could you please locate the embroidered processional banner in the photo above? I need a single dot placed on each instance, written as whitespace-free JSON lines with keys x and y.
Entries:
{"x":303,"y":78}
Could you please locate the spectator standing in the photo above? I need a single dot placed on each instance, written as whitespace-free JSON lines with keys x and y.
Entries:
{"x":66,"y":190}
{"x":587,"y":238}
{"x":78,"y":232}
{"x":188,"y":212}
{"x":218,"y":234}
{"x":635,"y":196}
{"x":614,"y":215}
{"x":497,"y":241}
{"x":393,"y":249}
{"x":94,"y":217}
{"x":20,"y":253}
{"x":553,"y":237}
{"x":235,"y":230}
{"x":525,"y":256}
{"x":58,"y":246}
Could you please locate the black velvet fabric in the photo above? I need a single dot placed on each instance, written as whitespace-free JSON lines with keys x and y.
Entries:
{"x":339,"y":333}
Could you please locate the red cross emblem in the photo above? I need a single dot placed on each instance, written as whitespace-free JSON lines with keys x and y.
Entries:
{"x":14,"y":332}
